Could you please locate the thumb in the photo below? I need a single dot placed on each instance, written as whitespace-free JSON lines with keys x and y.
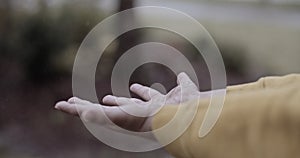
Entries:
{"x":184,"y":80}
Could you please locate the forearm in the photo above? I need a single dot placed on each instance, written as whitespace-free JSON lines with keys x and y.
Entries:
{"x":262,"y":122}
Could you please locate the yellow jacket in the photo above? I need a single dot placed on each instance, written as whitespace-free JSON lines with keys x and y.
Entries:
{"x":259,"y":120}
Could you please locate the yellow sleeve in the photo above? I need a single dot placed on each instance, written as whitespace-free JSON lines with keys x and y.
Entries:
{"x":266,"y":82}
{"x":262,"y":122}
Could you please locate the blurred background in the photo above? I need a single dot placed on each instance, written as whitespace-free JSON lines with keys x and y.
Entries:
{"x":39,"y":40}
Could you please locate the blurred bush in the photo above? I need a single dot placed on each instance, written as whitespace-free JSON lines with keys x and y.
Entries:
{"x":37,"y":40}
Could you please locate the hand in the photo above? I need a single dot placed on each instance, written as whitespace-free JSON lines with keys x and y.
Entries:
{"x":185,"y":91}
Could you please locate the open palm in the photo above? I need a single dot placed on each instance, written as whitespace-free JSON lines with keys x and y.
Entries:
{"x":131,"y":113}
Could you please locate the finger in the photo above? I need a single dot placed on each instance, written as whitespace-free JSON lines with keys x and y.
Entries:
{"x":95,"y":113}
{"x":127,"y":101}
{"x":119,"y":101}
{"x":109,"y":100}
{"x":113,"y":100}
{"x":184,"y":80}
{"x":74,"y":100}
{"x":145,"y":92}
{"x":66,"y":107}
{"x":74,"y":108}
{"x":90,"y":112}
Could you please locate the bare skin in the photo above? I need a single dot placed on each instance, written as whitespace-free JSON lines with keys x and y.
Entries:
{"x":185,"y":90}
